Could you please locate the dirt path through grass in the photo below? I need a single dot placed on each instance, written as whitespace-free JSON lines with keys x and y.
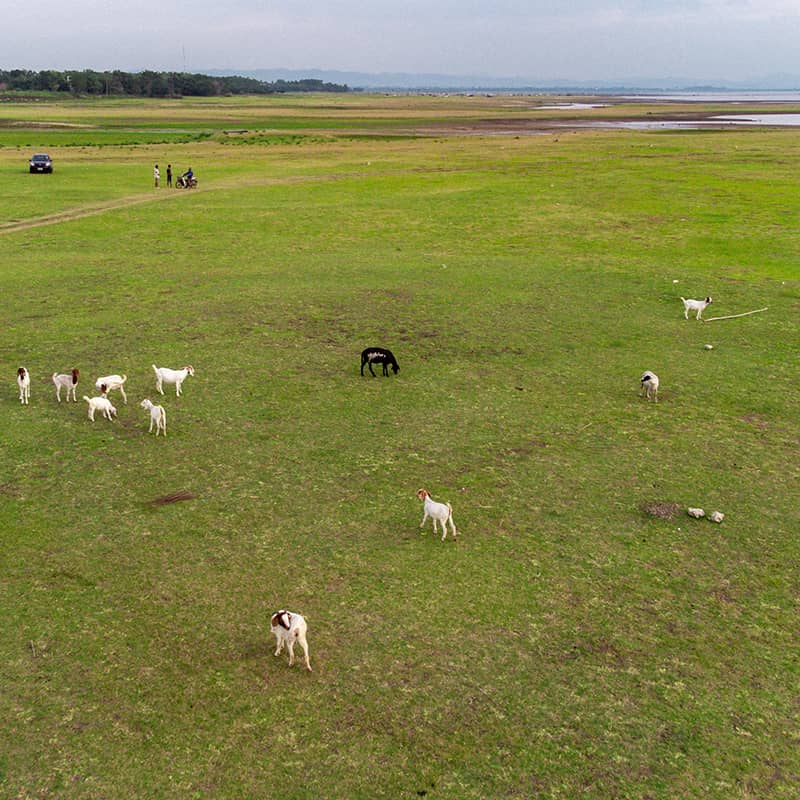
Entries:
{"x":79,"y":213}
{"x":227,"y":183}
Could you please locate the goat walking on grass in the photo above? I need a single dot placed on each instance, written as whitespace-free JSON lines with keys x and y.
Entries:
{"x":288,"y":628}
{"x":157,"y":416}
{"x":68,"y":382}
{"x":695,"y":305}
{"x":649,"y":381}
{"x":438,"y":512}
{"x":111,"y":382}
{"x":24,"y":383}
{"x":101,"y":403}
{"x":176,"y":376}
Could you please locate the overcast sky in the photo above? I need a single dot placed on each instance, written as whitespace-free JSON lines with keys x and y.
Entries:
{"x":571,"y":39}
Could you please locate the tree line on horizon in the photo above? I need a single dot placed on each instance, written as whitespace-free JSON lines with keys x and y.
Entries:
{"x":152,"y":84}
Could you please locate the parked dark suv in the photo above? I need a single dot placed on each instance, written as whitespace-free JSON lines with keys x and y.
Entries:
{"x":41,"y":162}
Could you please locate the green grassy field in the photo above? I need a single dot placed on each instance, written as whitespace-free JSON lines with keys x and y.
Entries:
{"x":569,"y":644}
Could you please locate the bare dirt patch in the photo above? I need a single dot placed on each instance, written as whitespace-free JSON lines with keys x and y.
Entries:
{"x":757,"y":420}
{"x":661,"y":510}
{"x":529,"y":447}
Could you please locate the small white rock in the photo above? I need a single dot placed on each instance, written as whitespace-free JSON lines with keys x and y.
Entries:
{"x":697,"y":513}
{"x":716,"y":516}
{"x":675,"y":281}
{"x":708,"y":346}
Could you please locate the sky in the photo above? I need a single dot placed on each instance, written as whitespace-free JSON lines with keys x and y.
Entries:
{"x":537,"y":39}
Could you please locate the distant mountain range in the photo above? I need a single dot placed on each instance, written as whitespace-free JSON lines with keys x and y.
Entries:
{"x":433,"y":81}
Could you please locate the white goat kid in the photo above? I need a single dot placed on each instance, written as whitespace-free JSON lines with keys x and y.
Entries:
{"x":112,"y":382}
{"x":24,"y":383}
{"x":438,"y":512}
{"x":69,"y":382}
{"x":695,"y":305}
{"x":649,"y":381}
{"x":176,"y":376}
{"x":100,"y":404}
{"x":157,"y":416}
{"x":289,"y":628}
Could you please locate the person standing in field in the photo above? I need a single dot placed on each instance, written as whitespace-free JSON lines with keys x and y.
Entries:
{"x":169,"y":175}
{"x":156,"y":175}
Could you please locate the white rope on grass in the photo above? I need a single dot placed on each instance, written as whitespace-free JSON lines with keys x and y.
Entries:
{"x":733,"y":316}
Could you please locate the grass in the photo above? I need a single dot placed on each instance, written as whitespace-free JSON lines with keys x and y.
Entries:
{"x":570,"y":644}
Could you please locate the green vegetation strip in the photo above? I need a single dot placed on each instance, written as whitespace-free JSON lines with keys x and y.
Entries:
{"x":583,"y":638}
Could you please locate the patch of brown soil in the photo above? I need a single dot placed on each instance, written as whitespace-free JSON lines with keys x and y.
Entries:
{"x":661,"y":510}
{"x":529,"y":447}
{"x":756,"y":420}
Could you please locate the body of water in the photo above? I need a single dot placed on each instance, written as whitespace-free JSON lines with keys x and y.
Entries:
{"x":571,"y":106}
{"x":723,"y":120}
{"x":722,"y":97}
{"x":760,"y":119}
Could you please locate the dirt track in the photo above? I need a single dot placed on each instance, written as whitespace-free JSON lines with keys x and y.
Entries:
{"x":227,"y":183}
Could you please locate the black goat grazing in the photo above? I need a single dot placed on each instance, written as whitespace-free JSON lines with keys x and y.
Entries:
{"x":379,"y":355}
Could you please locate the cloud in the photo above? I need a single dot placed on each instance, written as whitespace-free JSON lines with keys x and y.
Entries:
{"x":536,"y":38}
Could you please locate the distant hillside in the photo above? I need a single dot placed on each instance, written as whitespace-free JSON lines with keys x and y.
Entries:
{"x":433,"y":81}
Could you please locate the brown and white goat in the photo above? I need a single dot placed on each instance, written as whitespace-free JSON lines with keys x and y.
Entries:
{"x":111,"y":382}
{"x":24,"y":383}
{"x":289,"y":628}
{"x":438,"y":512}
{"x":69,"y":382}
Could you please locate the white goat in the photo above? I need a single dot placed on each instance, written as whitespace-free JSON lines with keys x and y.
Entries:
{"x":111,"y":382}
{"x":441,"y":512}
{"x":157,"y":416}
{"x":649,"y":381}
{"x":68,"y":381}
{"x":176,"y":376}
{"x":100,"y":404}
{"x":695,"y":305}
{"x":289,"y":628}
{"x":24,"y":383}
